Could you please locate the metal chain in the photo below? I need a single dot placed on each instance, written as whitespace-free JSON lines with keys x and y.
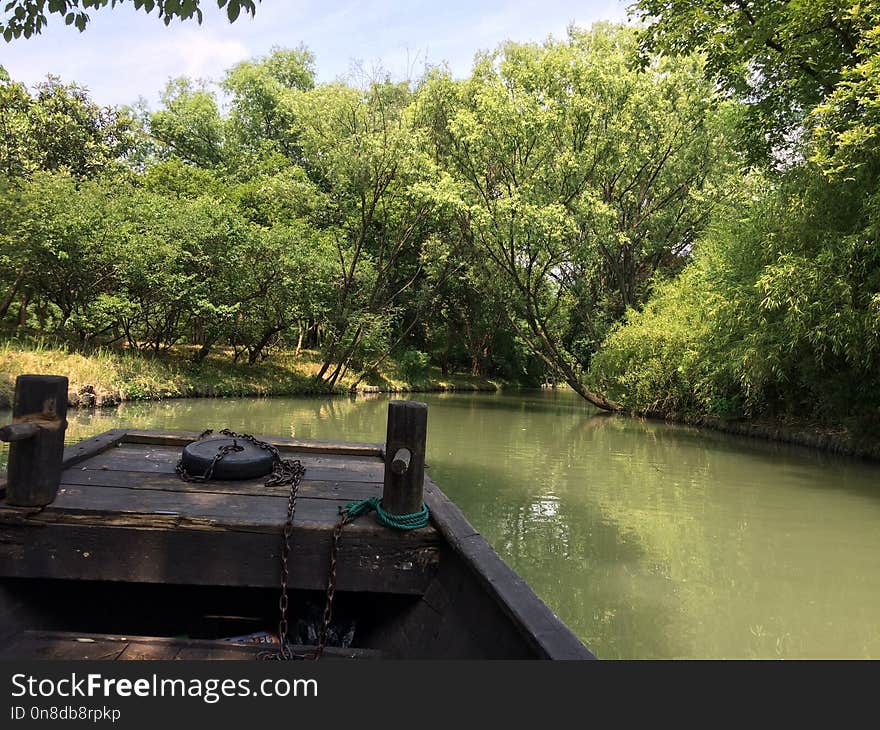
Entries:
{"x":297,"y":471}
{"x":284,"y":471}
{"x":344,"y":519}
{"x":209,"y":472}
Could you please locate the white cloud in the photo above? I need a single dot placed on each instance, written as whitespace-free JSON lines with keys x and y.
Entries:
{"x":192,"y":52}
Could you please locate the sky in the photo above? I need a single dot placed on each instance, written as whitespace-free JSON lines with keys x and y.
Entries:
{"x":125,"y":54}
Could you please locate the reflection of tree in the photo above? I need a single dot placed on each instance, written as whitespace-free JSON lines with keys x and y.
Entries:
{"x":731,"y":532}
{"x":655,"y":540}
{"x":523,"y":487}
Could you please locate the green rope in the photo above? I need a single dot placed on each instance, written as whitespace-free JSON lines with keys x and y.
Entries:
{"x":412,"y":521}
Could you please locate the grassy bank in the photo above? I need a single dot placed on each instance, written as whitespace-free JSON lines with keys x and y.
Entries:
{"x":107,"y":377}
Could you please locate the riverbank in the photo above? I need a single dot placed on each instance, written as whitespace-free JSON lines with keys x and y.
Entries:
{"x":844,"y":439}
{"x":105,"y":378}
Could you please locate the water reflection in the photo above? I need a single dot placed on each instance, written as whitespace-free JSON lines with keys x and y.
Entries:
{"x":649,"y":540}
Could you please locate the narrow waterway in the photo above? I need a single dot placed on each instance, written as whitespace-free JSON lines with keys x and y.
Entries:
{"x":649,"y":540}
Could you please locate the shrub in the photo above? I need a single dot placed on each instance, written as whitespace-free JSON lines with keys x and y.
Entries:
{"x":413,"y":365}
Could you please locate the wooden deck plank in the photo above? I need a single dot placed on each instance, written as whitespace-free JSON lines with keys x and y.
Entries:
{"x":266,"y":512}
{"x":155,"y":460}
{"x":181,"y":438}
{"x":371,"y":558}
{"x":148,"y":651}
{"x":122,"y":514}
{"x":33,"y":646}
{"x":156,"y":509}
{"x":171,"y":454}
{"x":70,"y":645}
{"x":90,"y":447}
{"x":311,"y":488}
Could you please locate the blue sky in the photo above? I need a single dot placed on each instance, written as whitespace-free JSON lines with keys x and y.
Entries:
{"x":124,"y":54}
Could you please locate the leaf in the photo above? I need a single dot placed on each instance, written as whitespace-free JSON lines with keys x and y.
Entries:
{"x":233,"y":11}
{"x":69,"y":18}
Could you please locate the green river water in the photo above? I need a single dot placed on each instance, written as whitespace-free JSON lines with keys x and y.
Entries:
{"x":649,"y":540}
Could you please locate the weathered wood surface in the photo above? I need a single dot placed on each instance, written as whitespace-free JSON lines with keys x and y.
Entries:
{"x":80,"y":451}
{"x":162,"y":460}
{"x":404,"y":475}
{"x":57,"y":645}
{"x":122,"y":514}
{"x":310,"y":488}
{"x":182,"y":438}
{"x":40,"y":409}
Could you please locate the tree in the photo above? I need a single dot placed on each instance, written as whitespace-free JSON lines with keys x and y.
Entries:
{"x":846,"y":124}
{"x":190,"y":125}
{"x":59,"y":128}
{"x":260,"y":118}
{"x":66,"y":232}
{"x":362,"y":151}
{"x":580,"y":175}
{"x":780,"y":58}
{"x":292,"y":270}
{"x":17,"y":144}
{"x":28,"y":17}
{"x":776,"y":315}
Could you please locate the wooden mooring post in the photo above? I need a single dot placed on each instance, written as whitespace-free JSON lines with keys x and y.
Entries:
{"x":36,"y":440}
{"x":402,"y":492}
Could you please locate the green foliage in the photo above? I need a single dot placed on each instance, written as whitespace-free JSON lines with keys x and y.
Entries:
{"x":261,"y":122}
{"x":657,"y":361}
{"x":579,"y":175}
{"x":413,"y":365}
{"x":780,"y":58}
{"x":577,"y":210}
{"x":846,"y":123}
{"x":779,"y":313}
{"x":58,"y":128}
{"x":189,"y":124}
{"x":363,"y":152}
{"x":28,"y":17}
{"x":60,"y":231}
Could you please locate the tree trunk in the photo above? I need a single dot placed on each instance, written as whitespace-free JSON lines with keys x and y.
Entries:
{"x":22,"y":311}
{"x":343,"y":361}
{"x":8,"y":299}
{"x":299,"y":341}
{"x":264,"y":340}
{"x":328,"y":361}
{"x":205,"y":349}
{"x":550,"y":355}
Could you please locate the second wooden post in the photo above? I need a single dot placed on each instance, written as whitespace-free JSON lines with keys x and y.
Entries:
{"x":402,"y":493}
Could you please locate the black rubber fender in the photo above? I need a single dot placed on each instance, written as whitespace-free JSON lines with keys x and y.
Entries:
{"x":250,"y":463}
